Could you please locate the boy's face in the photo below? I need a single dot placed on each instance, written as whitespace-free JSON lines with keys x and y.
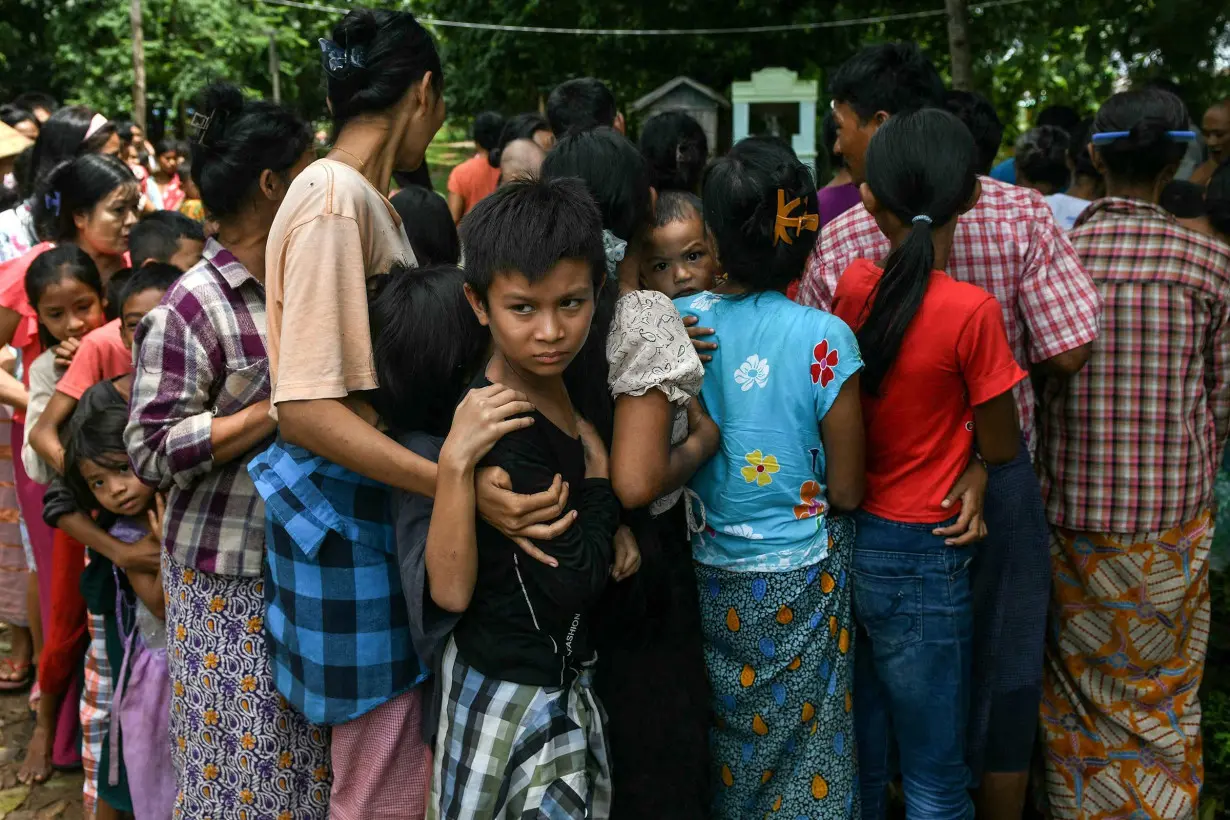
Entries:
{"x":117,"y":488}
{"x":134,"y":310}
{"x":187,"y":253}
{"x":539,"y":328}
{"x":679,"y":261}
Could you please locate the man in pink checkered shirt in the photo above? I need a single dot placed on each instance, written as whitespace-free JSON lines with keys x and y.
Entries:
{"x":1010,"y":246}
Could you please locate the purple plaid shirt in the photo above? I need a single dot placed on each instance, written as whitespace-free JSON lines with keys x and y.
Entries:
{"x":1131,"y":443}
{"x":201,"y":354}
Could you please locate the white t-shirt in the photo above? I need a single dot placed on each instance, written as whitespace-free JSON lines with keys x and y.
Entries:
{"x":1066,"y":209}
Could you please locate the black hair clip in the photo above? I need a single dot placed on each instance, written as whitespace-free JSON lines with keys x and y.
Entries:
{"x":52,"y":201}
{"x":200,"y":125}
{"x":339,"y":61}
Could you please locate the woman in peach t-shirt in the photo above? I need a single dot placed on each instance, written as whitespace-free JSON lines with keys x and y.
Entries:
{"x":334,"y":232}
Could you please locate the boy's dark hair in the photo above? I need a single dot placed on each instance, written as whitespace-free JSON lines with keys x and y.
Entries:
{"x":76,"y":187}
{"x":676,"y":148}
{"x":519,"y":127}
{"x":528,"y":227}
{"x":1042,"y":156}
{"x":62,"y":137}
{"x":487,"y":128}
{"x":614,"y":171}
{"x":1217,"y":199}
{"x":740,"y":203}
{"x":427,"y":345}
{"x":675,"y":206}
{"x":1146,"y":152}
{"x":158,"y":276}
{"x":182,"y":226}
{"x":151,"y":241}
{"x":429,"y":226}
{"x":983,"y":123}
{"x":920,"y":163}
{"x":115,"y":292}
{"x":1059,"y":116}
{"x":395,"y":52}
{"x":13,"y":116}
{"x":31,"y":100}
{"x":1184,"y":199}
{"x":579,"y":105}
{"x":244,"y":138}
{"x":95,"y":432}
{"x":890,"y":77}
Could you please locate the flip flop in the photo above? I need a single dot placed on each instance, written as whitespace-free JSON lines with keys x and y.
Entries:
{"x":9,"y":668}
{"x":36,"y":694}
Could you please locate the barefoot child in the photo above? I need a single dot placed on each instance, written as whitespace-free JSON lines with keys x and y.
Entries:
{"x":534,"y":260}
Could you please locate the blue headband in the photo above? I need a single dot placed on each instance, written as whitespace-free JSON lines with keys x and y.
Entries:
{"x":1111,"y":136}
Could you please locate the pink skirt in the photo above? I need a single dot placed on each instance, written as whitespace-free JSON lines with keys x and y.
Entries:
{"x":381,"y":766}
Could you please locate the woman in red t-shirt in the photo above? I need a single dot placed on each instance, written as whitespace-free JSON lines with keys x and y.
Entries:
{"x":937,"y":381}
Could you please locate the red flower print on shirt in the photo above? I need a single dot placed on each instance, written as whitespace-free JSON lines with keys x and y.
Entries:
{"x":826,"y":360}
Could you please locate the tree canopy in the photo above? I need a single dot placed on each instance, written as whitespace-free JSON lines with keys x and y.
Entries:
{"x":1025,"y":54}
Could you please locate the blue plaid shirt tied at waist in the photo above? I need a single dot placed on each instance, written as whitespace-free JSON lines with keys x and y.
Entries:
{"x":337,"y":623}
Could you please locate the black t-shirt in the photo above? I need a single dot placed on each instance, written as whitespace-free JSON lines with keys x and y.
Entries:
{"x":528,"y":622}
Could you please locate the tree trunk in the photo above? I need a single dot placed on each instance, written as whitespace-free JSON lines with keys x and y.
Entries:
{"x":138,"y":64}
{"x":958,"y":45}
{"x":275,"y":67}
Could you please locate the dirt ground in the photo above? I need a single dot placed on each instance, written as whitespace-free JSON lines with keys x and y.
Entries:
{"x":60,"y":797}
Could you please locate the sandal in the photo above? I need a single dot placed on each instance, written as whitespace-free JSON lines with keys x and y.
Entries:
{"x":36,"y":695}
{"x":15,"y":677}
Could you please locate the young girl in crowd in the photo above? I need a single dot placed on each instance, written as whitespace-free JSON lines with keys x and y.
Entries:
{"x":772,"y":561}
{"x":200,"y":412}
{"x":162,"y":189}
{"x":519,"y":663}
{"x":136,"y":731}
{"x":385,"y":92}
{"x":650,"y":674}
{"x":429,"y":226}
{"x":66,"y":291}
{"x":937,"y":368}
{"x":1127,"y":462}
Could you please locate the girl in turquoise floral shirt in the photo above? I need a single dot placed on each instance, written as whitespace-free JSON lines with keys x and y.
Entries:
{"x":772,"y":559}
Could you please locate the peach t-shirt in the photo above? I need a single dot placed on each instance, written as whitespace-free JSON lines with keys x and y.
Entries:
{"x":333,"y":233}
{"x":102,"y":355}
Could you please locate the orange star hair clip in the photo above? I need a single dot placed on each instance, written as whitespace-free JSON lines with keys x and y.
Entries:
{"x":800,"y":223}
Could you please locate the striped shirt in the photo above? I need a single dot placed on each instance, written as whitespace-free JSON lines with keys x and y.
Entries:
{"x":1132,"y":442}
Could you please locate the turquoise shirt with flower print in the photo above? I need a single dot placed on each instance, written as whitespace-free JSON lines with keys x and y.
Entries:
{"x":777,"y":370}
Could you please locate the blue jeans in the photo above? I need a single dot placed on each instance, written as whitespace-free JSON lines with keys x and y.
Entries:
{"x":913,"y":608}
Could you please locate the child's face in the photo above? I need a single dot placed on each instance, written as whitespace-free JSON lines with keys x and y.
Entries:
{"x":168,"y":162}
{"x":679,"y":261}
{"x":187,"y":253}
{"x":116,"y":488}
{"x":134,"y":310}
{"x":69,"y":309}
{"x":539,"y":328}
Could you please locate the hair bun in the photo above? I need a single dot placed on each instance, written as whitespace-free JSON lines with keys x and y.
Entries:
{"x":358,"y":28}
{"x":219,"y":102}
{"x":1148,"y":132}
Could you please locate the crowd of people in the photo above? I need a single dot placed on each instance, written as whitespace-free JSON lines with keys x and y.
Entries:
{"x":625,"y":480}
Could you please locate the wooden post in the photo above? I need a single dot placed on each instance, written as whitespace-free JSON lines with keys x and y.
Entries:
{"x":275,"y":66}
{"x":138,"y":64}
{"x":958,"y":45}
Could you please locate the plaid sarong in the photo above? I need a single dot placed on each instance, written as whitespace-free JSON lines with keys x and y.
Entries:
{"x":337,"y":622}
{"x":508,"y":750}
{"x":96,"y":697}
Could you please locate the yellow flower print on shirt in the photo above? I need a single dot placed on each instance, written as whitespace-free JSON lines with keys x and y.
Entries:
{"x":760,"y":468}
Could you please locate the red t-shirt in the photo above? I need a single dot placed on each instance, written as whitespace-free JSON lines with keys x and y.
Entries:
{"x":473,"y":180}
{"x":102,"y":355}
{"x":920,"y":429}
{"x":13,"y":297}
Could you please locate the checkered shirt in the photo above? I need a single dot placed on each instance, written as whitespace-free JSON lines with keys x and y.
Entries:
{"x":1132,"y":442}
{"x":201,"y":354}
{"x":1008,"y":245}
{"x":337,"y":621}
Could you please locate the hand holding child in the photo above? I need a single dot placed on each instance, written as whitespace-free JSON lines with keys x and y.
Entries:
{"x":697,"y":334}
{"x":627,"y":554}
{"x":971,"y":491}
{"x":482,"y":418}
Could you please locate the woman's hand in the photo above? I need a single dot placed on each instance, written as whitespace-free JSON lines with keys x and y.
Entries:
{"x":65,"y":351}
{"x":697,"y":334}
{"x":597,"y":460}
{"x":971,"y":491}
{"x":627,"y":554}
{"x":483,"y":417}
{"x":523,"y":517}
